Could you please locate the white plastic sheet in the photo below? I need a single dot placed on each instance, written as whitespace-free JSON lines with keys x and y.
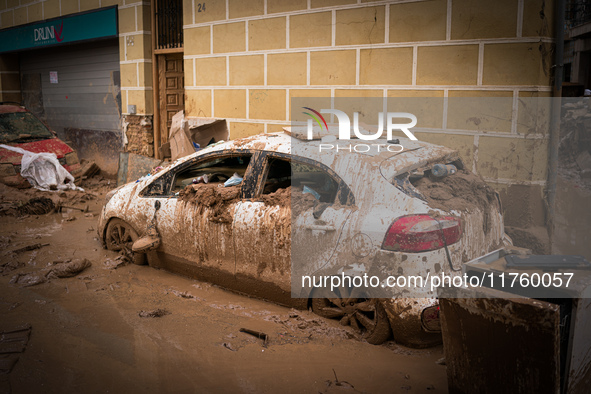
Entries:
{"x":43,"y":170}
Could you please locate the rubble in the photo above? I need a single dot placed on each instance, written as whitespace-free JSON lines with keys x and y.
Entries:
{"x":574,"y":160}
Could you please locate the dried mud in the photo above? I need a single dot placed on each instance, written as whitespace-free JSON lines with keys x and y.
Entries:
{"x":214,"y":196}
{"x":97,"y":315}
{"x":462,"y":191}
{"x":219,"y":199}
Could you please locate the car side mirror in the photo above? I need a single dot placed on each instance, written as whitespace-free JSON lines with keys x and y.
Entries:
{"x":319,"y":208}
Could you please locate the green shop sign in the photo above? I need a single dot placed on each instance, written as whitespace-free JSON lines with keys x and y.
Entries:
{"x":79,"y":27}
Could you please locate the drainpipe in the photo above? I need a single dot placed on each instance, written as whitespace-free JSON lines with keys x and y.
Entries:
{"x":155,"y":85}
{"x":555,"y":119}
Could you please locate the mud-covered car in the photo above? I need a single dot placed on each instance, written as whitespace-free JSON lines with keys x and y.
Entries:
{"x":382,"y":211}
{"x":20,"y":128}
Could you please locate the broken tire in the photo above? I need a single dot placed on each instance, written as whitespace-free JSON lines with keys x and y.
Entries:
{"x":120,"y":237}
{"x":365,"y":315}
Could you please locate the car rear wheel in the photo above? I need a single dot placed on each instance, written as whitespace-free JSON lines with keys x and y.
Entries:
{"x":365,"y":315}
{"x":120,"y":237}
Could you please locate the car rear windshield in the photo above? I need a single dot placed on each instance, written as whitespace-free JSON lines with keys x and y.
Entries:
{"x":21,"y":127}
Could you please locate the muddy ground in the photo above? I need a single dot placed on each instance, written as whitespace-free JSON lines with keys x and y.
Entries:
{"x":88,"y":333}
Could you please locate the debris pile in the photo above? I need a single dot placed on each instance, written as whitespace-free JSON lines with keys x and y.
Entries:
{"x":461,"y":192}
{"x":574,"y":160}
{"x":59,"y":269}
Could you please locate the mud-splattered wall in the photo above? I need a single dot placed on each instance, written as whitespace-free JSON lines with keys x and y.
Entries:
{"x":244,"y":61}
{"x":139,"y":133}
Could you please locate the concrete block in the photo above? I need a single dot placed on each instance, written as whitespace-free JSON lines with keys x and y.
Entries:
{"x":126,"y":20}
{"x":360,"y":26}
{"x":51,"y":9}
{"x":229,"y":37}
{"x":139,"y":46}
{"x":20,"y":16}
{"x":86,"y":5}
{"x":144,"y":22}
{"x":242,"y":9}
{"x":385,"y":66}
{"x":229,"y":103}
{"x":267,"y":104}
{"x":464,"y":144}
{"x":198,"y":103}
{"x":332,"y":67}
{"x":319,"y":98}
{"x":533,"y":112}
{"x":188,"y":69}
{"x":129,"y":76}
{"x":517,"y":64}
{"x":538,"y":18}
{"x":210,"y":71}
{"x":35,"y":12}
{"x":330,"y":3}
{"x":7,"y":19}
{"x":426,"y":105}
{"x":247,"y":70}
{"x":188,"y":12}
{"x":483,"y":19}
{"x":287,"y":69}
{"x":143,"y":101}
{"x":245,"y":129}
{"x":107,"y":3}
{"x":70,"y":7}
{"x":480,"y":110}
{"x":268,"y":33}
{"x":196,"y":40}
{"x":310,"y":30}
{"x":212,"y":10}
{"x":420,"y":21}
{"x":517,"y":159}
{"x":274,"y":6}
{"x":447,"y":65}
{"x":122,"y":46}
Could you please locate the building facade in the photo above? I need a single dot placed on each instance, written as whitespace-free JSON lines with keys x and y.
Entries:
{"x":245,"y":60}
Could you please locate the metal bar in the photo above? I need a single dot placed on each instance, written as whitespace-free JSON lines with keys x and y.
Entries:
{"x":555,"y":120}
{"x":155,"y":85}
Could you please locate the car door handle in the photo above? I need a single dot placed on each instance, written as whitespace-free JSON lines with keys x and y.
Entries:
{"x":318,"y":227}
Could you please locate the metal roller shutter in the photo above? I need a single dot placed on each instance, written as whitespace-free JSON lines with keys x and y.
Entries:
{"x":87,"y":92}
{"x":84,"y":106}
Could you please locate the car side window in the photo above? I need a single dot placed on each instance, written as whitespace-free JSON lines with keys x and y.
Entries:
{"x":304,"y":178}
{"x":217,"y":169}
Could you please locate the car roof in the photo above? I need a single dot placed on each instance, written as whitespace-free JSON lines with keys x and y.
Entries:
{"x":10,"y":108}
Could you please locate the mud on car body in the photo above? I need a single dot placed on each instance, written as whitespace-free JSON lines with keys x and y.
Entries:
{"x":374,"y":211}
{"x":20,"y":128}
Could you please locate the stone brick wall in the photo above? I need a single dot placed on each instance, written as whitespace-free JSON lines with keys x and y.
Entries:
{"x":244,"y":61}
{"x":140,"y":134}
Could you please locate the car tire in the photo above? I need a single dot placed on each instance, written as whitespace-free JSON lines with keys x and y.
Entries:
{"x":366,"y":316}
{"x":121,"y":236}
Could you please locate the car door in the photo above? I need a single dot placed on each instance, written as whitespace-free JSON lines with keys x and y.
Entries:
{"x":195,"y":219}
{"x":276,"y":243}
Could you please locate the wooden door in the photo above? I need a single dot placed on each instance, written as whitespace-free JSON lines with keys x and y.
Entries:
{"x":172,"y":90}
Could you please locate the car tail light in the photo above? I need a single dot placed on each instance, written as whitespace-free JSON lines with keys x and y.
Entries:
{"x":422,"y":233}
{"x":430,"y":319}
